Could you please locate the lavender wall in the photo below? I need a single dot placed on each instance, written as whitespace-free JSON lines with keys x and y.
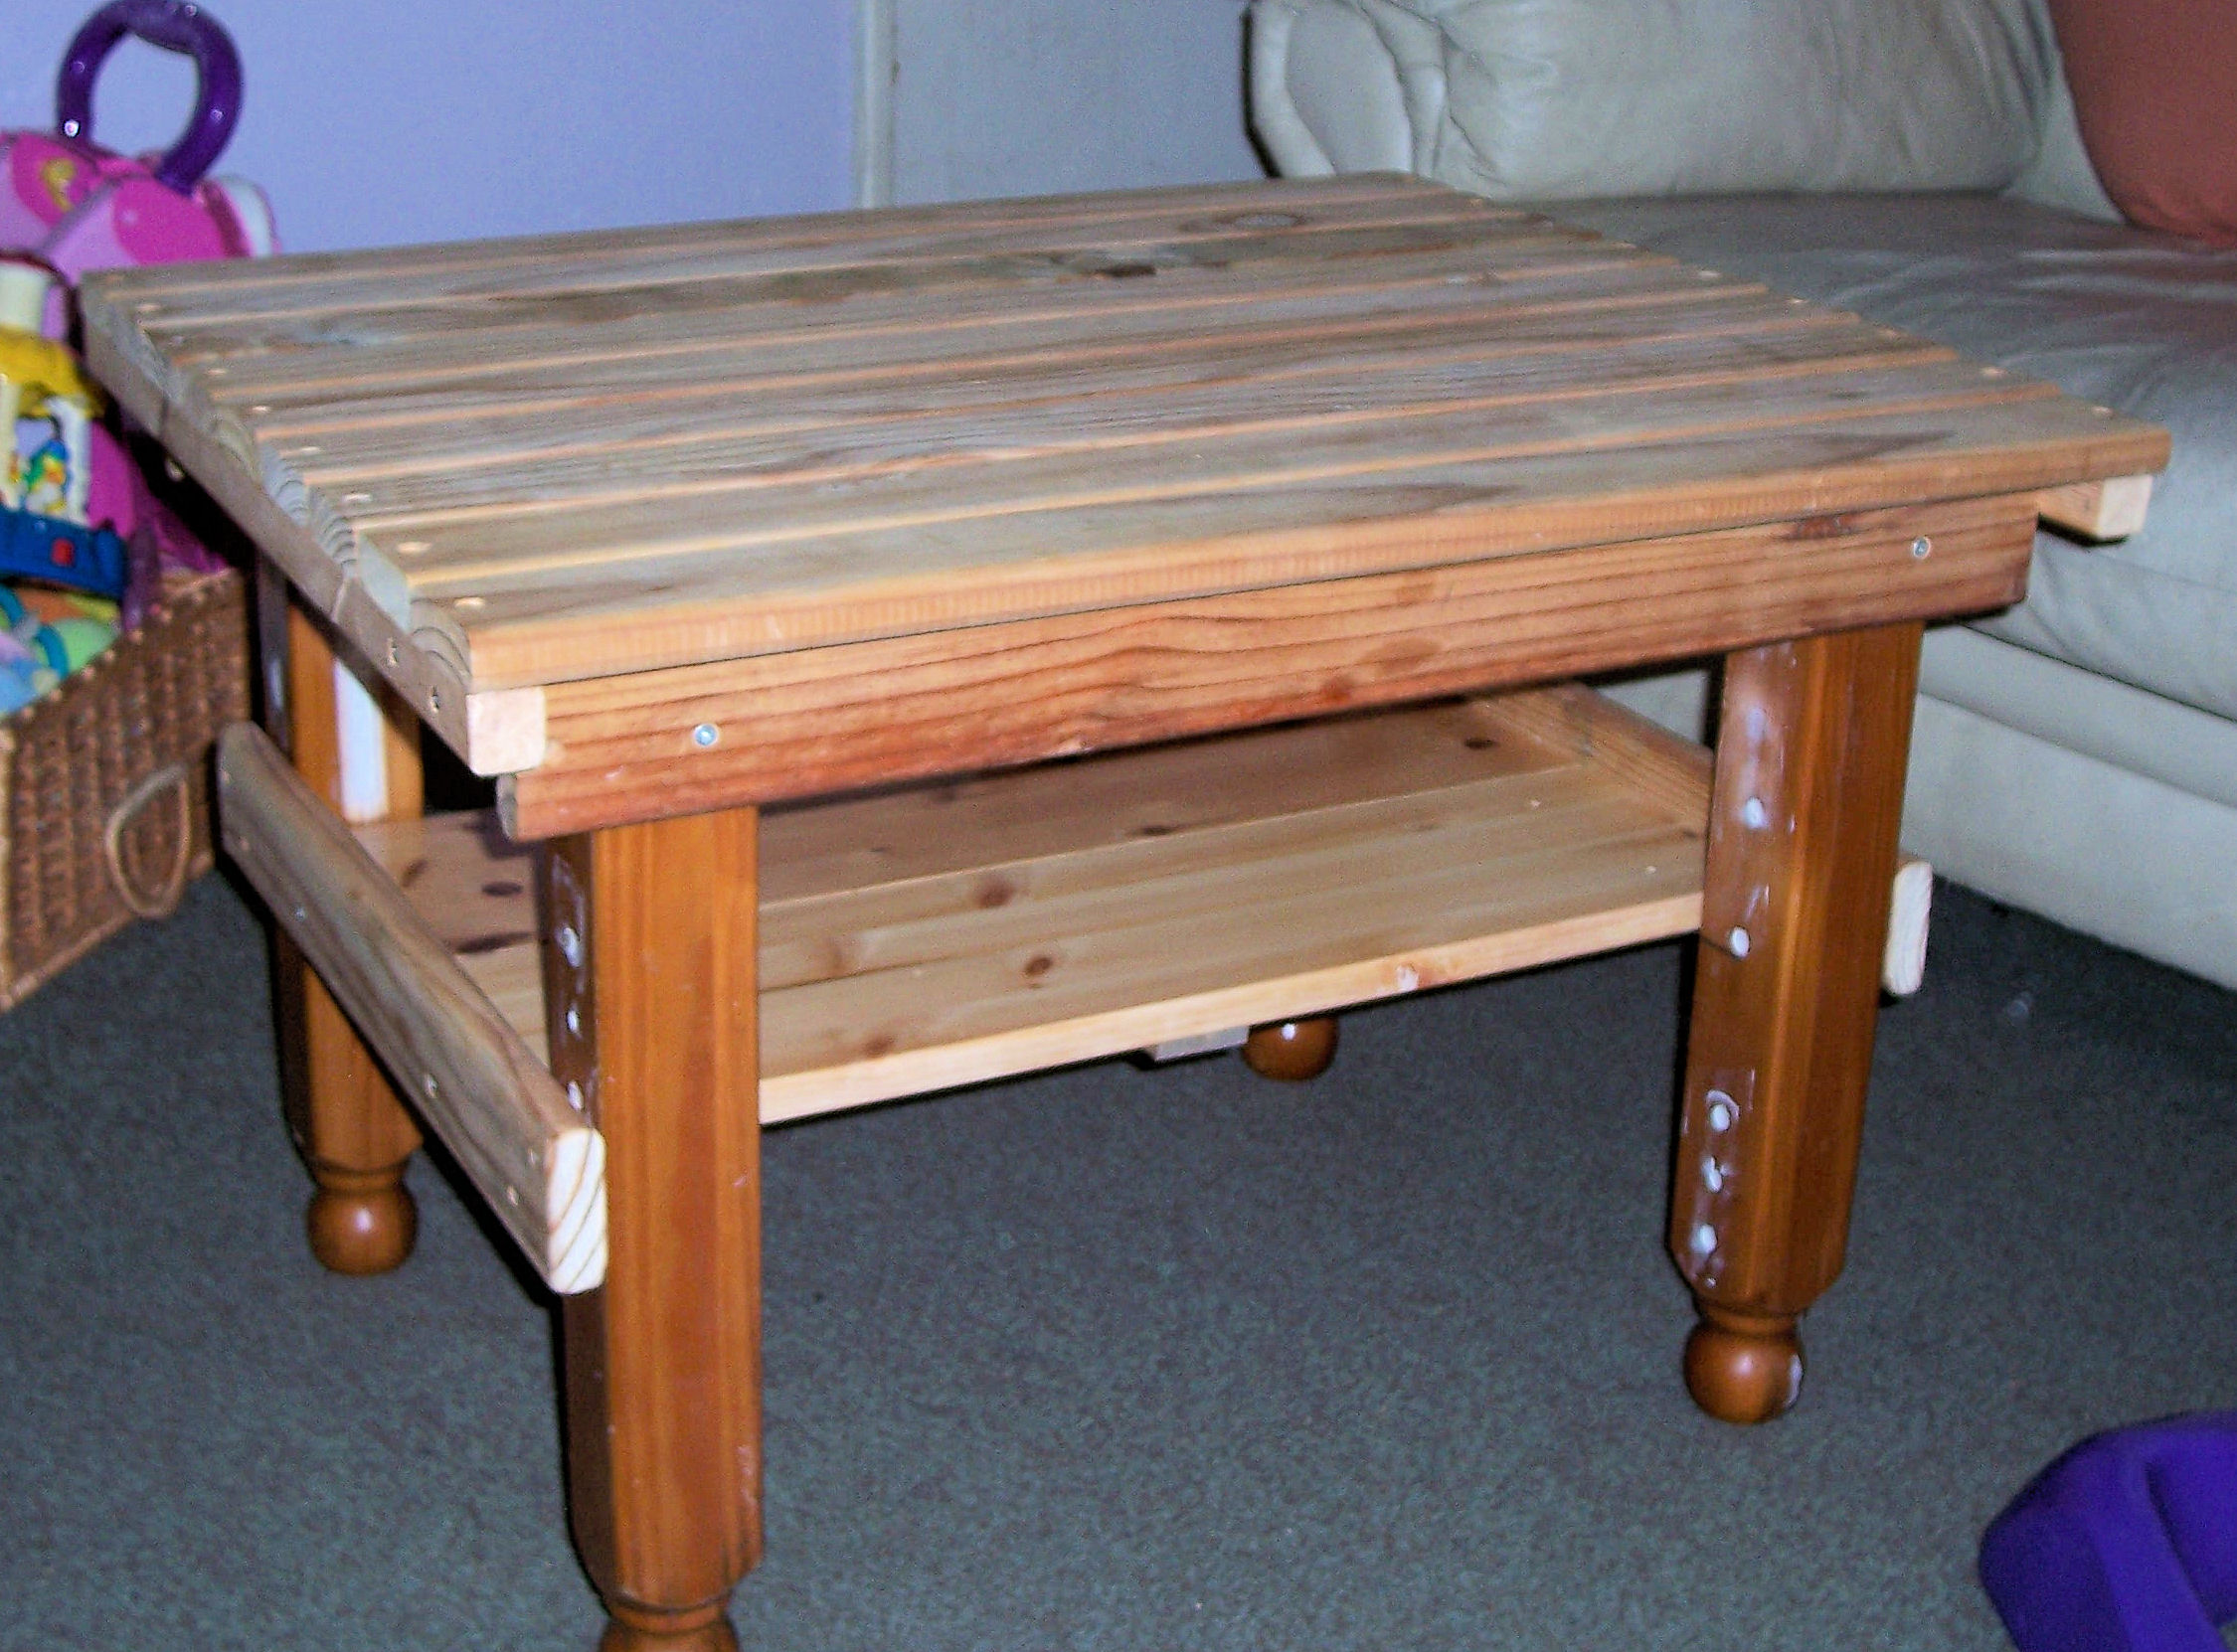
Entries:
{"x":376,"y":122}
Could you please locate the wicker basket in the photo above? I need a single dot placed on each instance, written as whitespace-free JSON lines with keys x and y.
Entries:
{"x":105,"y":808}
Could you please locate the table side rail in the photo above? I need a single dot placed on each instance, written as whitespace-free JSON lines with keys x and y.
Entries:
{"x":474,"y":1080}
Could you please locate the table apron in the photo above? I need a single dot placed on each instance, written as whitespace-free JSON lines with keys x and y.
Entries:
{"x":825,"y":719}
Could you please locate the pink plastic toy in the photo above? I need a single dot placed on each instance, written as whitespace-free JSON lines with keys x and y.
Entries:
{"x":80,"y":207}
{"x":69,"y":206}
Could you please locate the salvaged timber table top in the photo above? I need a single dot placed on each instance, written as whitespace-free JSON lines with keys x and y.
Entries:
{"x":633,"y":517}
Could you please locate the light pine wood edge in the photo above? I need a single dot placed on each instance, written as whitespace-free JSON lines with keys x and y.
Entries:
{"x":469,"y":1074}
{"x":493,"y":731}
{"x":2108,"y":510}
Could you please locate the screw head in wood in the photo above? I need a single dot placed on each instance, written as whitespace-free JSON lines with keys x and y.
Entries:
{"x":705,"y":736}
{"x":1920,"y":547}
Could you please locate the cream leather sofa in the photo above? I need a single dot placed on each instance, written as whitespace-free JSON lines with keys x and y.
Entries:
{"x":2076,"y":756}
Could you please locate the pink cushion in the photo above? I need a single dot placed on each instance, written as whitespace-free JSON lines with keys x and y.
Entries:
{"x":2155,"y":87}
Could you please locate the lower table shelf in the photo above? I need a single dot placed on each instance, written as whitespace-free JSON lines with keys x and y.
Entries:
{"x":933,"y":935}
{"x":936,"y":935}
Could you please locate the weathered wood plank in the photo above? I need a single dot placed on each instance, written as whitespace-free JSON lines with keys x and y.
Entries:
{"x":825,"y":719}
{"x":767,"y":333}
{"x":1154,"y":244}
{"x":469,"y":1074}
{"x":592,"y":248}
{"x":625,"y":453}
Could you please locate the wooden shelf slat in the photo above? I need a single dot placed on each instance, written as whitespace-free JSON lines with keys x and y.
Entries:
{"x":474,"y":1078}
{"x":926,"y":937}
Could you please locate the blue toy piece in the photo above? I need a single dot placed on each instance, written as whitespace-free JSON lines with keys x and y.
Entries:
{"x":49,"y":547}
{"x":2126,"y":1544}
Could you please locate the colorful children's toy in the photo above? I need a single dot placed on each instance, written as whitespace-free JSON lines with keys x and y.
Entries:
{"x":80,"y":207}
{"x":75,"y":510}
{"x":47,"y":411}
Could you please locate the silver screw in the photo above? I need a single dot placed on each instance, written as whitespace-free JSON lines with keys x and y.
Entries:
{"x":705,"y":736}
{"x":1920,"y":547}
{"x":570,"y":946}
{"x":1739,"y":941}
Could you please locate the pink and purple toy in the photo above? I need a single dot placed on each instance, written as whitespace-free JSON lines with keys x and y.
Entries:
{"x":80,"y":207}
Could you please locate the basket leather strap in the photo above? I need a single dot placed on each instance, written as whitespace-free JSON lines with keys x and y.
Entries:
{"x":163,"y":900}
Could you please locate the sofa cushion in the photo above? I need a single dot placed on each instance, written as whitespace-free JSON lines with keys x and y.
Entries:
{"x":1547,"y":99}
{"x":2155,"y":87}
{"x":2143,"y":322}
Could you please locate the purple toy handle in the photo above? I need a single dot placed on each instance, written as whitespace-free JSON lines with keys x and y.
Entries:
{"x":176,"y":26}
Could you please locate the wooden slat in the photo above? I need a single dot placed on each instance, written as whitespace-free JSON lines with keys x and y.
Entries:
{"x":818,"y":381}
{"x":823,"y":720}
{"x":922,"y":938}
{"x":1355,"y":839}
{"x":505,"y":467}
{"x":469,"y":1073}
{"x":1171,"y":455}
{"x":609,"y":258}
{"x":376,"y":303}
{"x":705,"y":342}
{"x":635,"y":591}
{"x":2111,"y":509}
{"x":620,"y":456}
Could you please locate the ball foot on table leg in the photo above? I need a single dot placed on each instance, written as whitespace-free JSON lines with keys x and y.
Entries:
{"x":1291,"y":1050}
{"x":1743,"y":1367}
{"x":700,"y":1629}
{"x":362,"y":1221}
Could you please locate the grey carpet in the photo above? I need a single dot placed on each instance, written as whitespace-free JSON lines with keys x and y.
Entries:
{"x":1123,"y":1359}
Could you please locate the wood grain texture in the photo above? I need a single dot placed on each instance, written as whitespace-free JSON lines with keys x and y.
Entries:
{"x":515,"y":466}
{"x":1811,"y":754}
{"x":649,"y":981}
{"x":2107,"y":510}
{"x":918,"y":938}
{"x":860,"y":894}
{"x":355,"y":1135}
{"x":817,"y":720}
{"x":491,"y":1100}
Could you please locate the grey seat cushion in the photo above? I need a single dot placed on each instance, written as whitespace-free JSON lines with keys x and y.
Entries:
{"x":2140,"y":322}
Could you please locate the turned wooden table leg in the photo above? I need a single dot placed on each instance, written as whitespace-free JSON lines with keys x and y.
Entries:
{"x":354,"y":1135}
{"x":1803,"y":825}
{"x":649,"y":996}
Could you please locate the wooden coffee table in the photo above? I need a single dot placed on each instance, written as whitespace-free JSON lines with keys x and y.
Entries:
{"x":918,"y":646}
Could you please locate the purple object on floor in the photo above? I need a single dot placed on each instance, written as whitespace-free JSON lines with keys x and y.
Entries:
{"x":2126,"y":1544}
